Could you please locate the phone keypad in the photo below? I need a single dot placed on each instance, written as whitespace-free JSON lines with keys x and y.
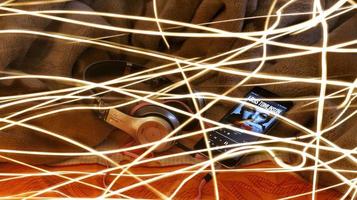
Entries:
{"x":220,"y":138}
{"x":224,"y":137}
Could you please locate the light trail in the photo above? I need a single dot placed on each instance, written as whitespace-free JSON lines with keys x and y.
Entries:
{"x":320,"y":111}
{"x":215,"y":32}
{"x":32,"y":3}
{"x":158,"y":24}
{"x":50,"y":173}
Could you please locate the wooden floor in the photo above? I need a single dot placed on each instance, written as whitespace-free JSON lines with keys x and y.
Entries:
{"x":232,"y":185}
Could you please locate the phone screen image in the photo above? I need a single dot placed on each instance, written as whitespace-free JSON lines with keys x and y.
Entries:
{"x":255,"y":118}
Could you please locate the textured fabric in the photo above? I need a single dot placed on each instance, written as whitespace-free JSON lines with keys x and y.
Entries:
{"x":232,"y":185}
{"x":59,"y":56}
{"x":14,"y":47}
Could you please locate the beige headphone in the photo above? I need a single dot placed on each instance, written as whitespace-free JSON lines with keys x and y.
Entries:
{"x":144,"y":130}
{"x":146,"y":123}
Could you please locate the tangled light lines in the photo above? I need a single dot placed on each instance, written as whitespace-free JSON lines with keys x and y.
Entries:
{"x":312,"y":140}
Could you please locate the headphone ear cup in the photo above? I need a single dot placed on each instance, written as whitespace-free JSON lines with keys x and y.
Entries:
{"x":181,"y":117}
{"x":174,"y":118}
{"x":145,"y":131}
{"x":189,"y":101}
{"x":156,"y":111}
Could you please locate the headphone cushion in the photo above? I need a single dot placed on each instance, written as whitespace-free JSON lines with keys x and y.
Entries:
{"x":174,"y":118}
{"x":156,"y":111}
{"x":188,"y":101}
{"x":181,"y":117}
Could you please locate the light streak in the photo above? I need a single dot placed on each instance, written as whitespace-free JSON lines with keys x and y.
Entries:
{"x":32,"y":3}
{"x":216,"y":32}
{"x":49,"y":172}
{"x":309,"y":193}
{"x":320,"y":111}
{"x":158,"y":24}
{"x":203,"y":128}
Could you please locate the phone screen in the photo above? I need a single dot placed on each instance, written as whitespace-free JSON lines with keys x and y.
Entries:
{"x":245,"y":116}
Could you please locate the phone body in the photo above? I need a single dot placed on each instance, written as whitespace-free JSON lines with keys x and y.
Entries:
{"x":246,"y":117}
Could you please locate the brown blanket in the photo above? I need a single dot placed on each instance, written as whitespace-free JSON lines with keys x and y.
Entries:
{"x":48,"y":44}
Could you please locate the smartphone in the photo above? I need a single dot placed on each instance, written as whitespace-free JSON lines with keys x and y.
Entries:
{"x":245,"y":116}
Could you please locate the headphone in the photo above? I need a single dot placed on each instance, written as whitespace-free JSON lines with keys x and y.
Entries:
{"x":146,"y":122}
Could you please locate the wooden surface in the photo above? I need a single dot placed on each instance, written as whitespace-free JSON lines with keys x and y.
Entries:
{"x":232,"y":185}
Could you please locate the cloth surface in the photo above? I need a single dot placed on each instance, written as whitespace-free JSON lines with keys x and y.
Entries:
{"x":35,"y":54}
{"x":232,"y":185}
